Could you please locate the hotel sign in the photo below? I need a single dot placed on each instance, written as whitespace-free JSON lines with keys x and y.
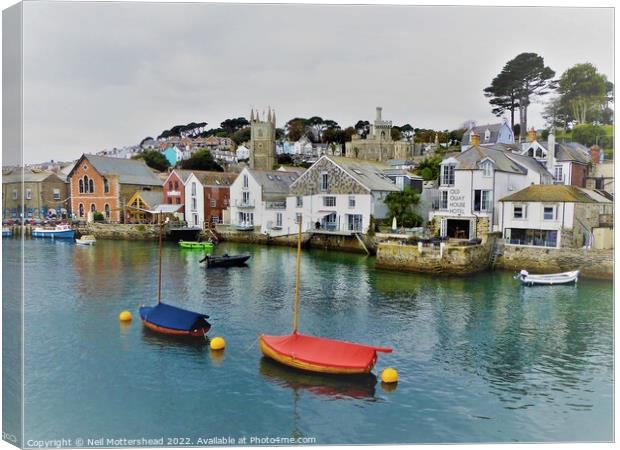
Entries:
{"x":456,"y":201}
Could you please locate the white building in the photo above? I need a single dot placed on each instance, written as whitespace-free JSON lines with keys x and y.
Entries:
{"x":471,"y":184}
{"x":554,"y":216}
{"x":339,"y":195}
{"x":492,"y":134}
{"x":258,"y":199}
{"x":194,"y":201}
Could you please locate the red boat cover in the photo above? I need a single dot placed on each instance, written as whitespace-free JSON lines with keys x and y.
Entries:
{"x":326,"y":352}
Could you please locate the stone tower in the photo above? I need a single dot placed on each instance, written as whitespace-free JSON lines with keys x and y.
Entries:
{"x":263,"y":140}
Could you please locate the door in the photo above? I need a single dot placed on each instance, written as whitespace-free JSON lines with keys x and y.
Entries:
{"x":444,"y":228}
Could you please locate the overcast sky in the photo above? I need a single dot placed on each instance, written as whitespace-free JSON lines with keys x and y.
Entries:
{"x":103,"y":75}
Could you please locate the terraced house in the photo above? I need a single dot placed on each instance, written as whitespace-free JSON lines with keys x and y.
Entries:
{"x":33,"y":194}
{"x":105,"y":185}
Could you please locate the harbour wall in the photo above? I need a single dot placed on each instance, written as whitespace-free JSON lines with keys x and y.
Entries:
{"x":129,"y":232}
{"x":451,"y":260}
{"x":592,"y":263}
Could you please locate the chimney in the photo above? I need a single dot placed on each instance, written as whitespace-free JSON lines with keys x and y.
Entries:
{"x":531,"y":135}
{"x":551,"y":152}
{"x":595,"y":154}
{"x":474,"y":138}
{"x":379,"y":108}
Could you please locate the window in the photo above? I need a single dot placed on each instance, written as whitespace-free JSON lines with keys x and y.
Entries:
{"x":351,"y":201}
{"x":106,"y":185}
{"x":170,"y":186}
{"x":549,"y":212}
{"x":213,"y":203}
{"x":56,"y":194}
{"x":106,"y":211}
{"x":81,"y":210}
{"x":91,"y":186}
{"x":245,"y":181}
{"x":194,"y":204}
{"x":215,"y":219}
{"x":93,"y":208}
{"x":85,"y":184}
{"x":519,"y":211}
{"x":324,"y":181}
{"x":193,"y":188}
{"x":482,"y":200}
{"x":176,"y":185}
{"x":169,"y":201}
{"x":487,"y":169}
{"x":300,"y":201}
{"x":297,"y":217}
{"x":278,"y":219}
{"x":329,"y":201}
{"x":28,"y":194}
{"x":81,"y":186}
{"x":443,"y":200}
{"x":447,"y":175}
{"x":246,"y":198}
{"x":558,"y":174}
{"x":178,"y":200}
{"x":14,"y":194}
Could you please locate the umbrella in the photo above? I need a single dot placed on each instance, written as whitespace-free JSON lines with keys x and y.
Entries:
{"x":394,"y":223}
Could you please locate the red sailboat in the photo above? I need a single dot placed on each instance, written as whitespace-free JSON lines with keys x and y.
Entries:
{"x":317,"y":354}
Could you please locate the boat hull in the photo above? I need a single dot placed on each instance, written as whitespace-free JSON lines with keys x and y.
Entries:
{"x":65,"y":234}
{"x":547,"y":280}
{"x":167,"y":321}
{"x":169,"y":331}
{"x":302,"y":354}
{"x":227,"y":261}
{"x":198,"y":245}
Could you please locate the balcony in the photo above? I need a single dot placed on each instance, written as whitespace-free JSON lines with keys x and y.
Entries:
{"x":275,"y":205}
{"x":244,"y":203}
{"x":174,"y":193}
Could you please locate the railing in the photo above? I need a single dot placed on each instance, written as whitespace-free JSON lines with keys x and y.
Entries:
{"x":533,"y":242}
{"x":244,"y":203}
{"x":275,"y":205}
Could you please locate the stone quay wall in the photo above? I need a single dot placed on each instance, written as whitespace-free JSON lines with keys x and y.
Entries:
{"x":592,"y":263}
{"x":129,"y":232}
{"x":453,"y":260}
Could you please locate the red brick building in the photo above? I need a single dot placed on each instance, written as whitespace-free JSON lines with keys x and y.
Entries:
{"x":216,"y":187}
{"x":103,"y":184}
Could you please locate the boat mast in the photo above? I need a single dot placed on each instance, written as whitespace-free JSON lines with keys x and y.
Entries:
{"x":159,"y":275}
{"x":296,"y":308}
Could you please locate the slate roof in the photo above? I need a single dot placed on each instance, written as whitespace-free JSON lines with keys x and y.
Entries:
{"x":503,"y":161}
{"x":152,"y":198}
{"x":555,"y":193}
{"x":28,"y":176}
{"x":216,"y":178}
{"x":275,"y":183}
{"x":480,"y":130}
{"x":367,"y":173}
{"x":129,"y":171}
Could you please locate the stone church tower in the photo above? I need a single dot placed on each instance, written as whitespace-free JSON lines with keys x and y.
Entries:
{"x":263,"y":140}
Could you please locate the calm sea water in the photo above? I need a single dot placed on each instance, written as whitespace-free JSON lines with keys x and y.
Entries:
{"x":480,"y":359}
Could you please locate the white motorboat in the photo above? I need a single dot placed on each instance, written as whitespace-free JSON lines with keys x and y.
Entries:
{"x":87,"y":239}
{"x":549,"y":279}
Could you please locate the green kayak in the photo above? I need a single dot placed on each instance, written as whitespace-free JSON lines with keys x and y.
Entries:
{"x":195,"y":244}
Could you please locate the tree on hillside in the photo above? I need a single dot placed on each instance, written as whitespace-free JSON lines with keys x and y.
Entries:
{"x":154,"y":160}
{"x":148,"y":138}
{"x":504,"y":95}
{"x":528,"y":77}
{"x":556,"y":114}
{"x":362,"y":127}
{"x":296,"y":128}
{"x":407,"y":131}
{"x":401,"y":205}
{"x":396,"y":133}
{"x":233,"y":125}
{"x":589,"y":135}
{"x":242,"y":135}
{"x":201,"y":160}
{"x":584,"y":91}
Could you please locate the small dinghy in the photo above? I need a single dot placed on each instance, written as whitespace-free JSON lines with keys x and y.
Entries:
{"x":168,"y":319}
{"x":550,"y":279}
{"x":206,"y":245}
{"x":226,"y":260}
{"x":318,"y":354}
{"x":87,"y":239}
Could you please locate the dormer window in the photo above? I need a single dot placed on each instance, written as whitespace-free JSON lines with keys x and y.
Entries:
{"x":487,"y":168}
{"x":487,"y":136}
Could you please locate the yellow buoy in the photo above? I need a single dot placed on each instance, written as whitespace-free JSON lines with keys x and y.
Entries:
{"x":389,"y":375}
{"x":218,"y":343}
{"x":124,"y":316}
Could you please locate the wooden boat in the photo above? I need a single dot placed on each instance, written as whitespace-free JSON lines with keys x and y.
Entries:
{"x":168,"y":319}
{"x":226,"y":260}
{"x":62,"y":231}
{"x":317,"y":354}
{"x":87,"y":239}
{"x":550,"y":279}
{"x":207,"y":245}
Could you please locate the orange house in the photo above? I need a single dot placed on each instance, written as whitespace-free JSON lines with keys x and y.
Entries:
{"x":104,"y":184}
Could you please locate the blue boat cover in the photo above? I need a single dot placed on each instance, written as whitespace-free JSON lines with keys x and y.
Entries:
{"x":174,"y":318}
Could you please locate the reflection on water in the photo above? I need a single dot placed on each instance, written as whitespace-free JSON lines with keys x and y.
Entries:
{"x":480,"y":358}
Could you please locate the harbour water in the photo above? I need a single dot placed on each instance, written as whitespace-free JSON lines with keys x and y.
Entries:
{"x":480,"y":359}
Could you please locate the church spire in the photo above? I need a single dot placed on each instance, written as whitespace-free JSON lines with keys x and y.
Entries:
{"x":252,"y":115}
